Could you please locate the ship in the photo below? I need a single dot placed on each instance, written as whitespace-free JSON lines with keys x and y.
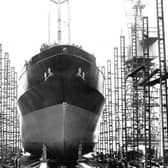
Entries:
{"x":60,"y":101}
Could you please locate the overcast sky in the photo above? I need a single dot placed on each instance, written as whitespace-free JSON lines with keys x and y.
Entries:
{"x":95,"y":24}
{"x":24,"y":27}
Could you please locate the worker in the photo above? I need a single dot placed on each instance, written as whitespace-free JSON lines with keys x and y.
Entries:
{"x":80,"y":152}
{"x":79,"y":73}
{"x":45,"y":76}
{"x":26,"y":64}
{"x":50,"y":73}
{"x":65,"y":51}
{"x":83,"y":75}
{"x":17,"y":162}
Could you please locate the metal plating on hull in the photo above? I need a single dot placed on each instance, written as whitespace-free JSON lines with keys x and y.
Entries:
{"x":57,"y":132}
{"x":60,"y":99}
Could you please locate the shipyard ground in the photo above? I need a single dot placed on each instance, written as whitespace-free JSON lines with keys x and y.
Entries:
{"x":79,"y":165}
{"x":82,"y":165}
{"x":102,"y":161}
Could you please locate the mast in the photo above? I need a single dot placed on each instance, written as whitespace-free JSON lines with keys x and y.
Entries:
{"x":49,"y":20}
{"x":69,"y":22}
{"x":59,"y":21}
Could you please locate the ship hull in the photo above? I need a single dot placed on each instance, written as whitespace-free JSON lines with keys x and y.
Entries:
{"x":62,"y":128}
{"x":62,"y":110}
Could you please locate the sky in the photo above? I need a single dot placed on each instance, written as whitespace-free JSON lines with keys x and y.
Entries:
{"x":95,"y":25}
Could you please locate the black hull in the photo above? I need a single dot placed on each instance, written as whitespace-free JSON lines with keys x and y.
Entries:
{"x":56,"y":90}
{"x":61,"y":111}
{"x":53,"y":126}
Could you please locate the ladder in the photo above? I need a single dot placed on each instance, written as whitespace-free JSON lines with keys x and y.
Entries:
{"x":146,"y":100}
{"x":123,"y":95}
{"x":101,"y":140}
{"x":163,"y":81}
{"x":110,"y":104}
{"x":135,"y":122}
{"x":116,"y":101}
